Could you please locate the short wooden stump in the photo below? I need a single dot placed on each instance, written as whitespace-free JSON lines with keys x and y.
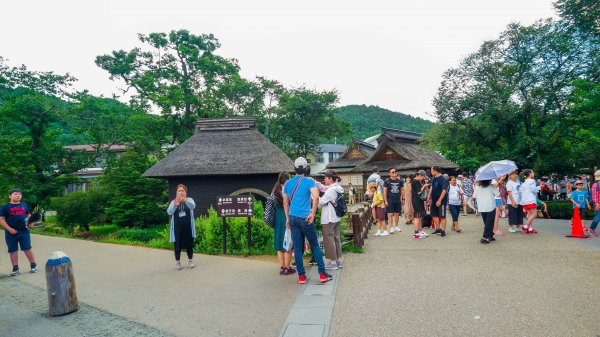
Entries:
{"x":62,"y":295}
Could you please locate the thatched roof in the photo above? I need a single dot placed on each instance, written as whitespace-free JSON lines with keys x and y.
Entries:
{"x":223,"y":147}
{"x":396,"y":148}
{"x":357,"y":153}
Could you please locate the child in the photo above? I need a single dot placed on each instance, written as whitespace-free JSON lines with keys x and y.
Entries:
{"x":14,"y":217}
{"x":379,"y":208}
{"x":579,"y":198}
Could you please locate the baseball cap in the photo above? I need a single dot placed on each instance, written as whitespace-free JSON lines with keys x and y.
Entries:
{"x":422,"y":172}
{"x":578,"y":182}
{"x":300,"y":162}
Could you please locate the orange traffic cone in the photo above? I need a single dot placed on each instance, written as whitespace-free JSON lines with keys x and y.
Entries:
{"x":577,"y":228}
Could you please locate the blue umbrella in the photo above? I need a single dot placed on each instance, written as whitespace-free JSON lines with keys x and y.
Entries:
{"x":495,"y":169}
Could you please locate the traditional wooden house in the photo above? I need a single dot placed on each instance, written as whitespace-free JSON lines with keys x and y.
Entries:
{"x":357,"y":153}
{"x":395,"y":148}
{"x":223,"y":157}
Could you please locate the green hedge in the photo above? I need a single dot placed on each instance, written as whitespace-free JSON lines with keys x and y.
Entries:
{"x":104,"y":230}
{"x":564,"y":210}
{"x":138,"y":235}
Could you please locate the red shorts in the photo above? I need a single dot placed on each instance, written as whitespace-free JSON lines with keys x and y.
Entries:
{"x":529,"y":206}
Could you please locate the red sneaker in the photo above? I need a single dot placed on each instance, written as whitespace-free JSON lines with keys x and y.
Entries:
{"x":302,"y":279}
{"x":324,"y":277}
{"x":531,"y":231}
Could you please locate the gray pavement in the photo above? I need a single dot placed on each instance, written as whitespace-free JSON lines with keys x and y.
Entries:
{"x":520,"y":285}
{"x":222,"y":296}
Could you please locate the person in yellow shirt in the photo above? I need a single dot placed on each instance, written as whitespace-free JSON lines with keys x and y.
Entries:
{"x":379,"y":210}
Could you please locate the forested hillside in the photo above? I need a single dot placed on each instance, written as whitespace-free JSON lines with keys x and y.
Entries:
{"x":366,"y":120}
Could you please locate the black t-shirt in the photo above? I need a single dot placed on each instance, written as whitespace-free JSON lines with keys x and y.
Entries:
{"x":15,"y":215}
{"x":394,"y":187}
{"x":439,"y":184}
{"x":416,"y":186}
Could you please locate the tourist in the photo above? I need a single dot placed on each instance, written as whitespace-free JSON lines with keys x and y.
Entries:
{"x":468,"y":187}
{"x":407,"y":206}
{"x":596,"y":202}
{"x":351,"y":194}
{"x":418,"y":203}
{"x":284,"y":257}
{"x":497,"y":183}
{"x":529,"y":190}
{"x":393,"y":189}
{"x":486,"y":205}
{"x":455,"y":200}
{"x":331,"y":221}
{"x":374,"y":178}
{"x":515,"y":210}
{"x":439,"y":200}
{"x":300,"y":200}
{"x":379,"y":209}
{"x":183,"y":229}
{"x":14,"y":218}
{"x":579,"y":198}
{"x":563,"y":188}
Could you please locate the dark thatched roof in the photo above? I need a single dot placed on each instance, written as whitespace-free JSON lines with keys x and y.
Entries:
{"x":357,"y":153}
{"x":223,"y":147}
{"x":396,"y":148}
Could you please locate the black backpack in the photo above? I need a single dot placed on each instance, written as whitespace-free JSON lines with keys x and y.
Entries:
{"x":340,"y":205}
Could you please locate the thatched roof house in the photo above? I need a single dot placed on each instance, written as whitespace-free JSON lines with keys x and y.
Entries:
{"x":395,"y":148}
{"x":223,"y":157}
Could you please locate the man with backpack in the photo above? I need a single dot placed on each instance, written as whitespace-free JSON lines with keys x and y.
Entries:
{"x":300,"y":201}
{"x":333,"y":204}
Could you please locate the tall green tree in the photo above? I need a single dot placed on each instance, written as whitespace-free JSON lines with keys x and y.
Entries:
{"x":180,"y":74}
{"x":511,"y":98}
{"x":585,"y":14}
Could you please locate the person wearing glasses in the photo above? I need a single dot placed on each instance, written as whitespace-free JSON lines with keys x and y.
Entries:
{"x":393,"y":196}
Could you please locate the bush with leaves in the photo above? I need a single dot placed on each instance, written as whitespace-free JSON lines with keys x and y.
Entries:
{"x":80,"y":208}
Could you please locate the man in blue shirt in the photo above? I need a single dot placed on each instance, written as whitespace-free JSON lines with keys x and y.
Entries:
{"x":300,"y":201}
{"x":439,"y":200}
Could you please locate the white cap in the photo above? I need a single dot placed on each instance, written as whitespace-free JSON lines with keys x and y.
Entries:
{"x":300,"y":163}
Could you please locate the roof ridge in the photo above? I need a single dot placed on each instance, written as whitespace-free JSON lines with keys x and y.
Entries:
{"x":220,"y":124}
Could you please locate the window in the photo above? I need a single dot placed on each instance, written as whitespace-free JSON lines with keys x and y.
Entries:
{"x":320,"y":157}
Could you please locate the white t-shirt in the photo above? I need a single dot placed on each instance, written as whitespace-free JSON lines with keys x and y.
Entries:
{"x":486,"y":201}
{"x":514,"y":187}
{"x":496,"y":189}
{"x":454,"y":195}
{"x":528,"y":192}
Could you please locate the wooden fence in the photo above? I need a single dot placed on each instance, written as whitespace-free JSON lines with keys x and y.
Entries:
{"x":360,"y":223}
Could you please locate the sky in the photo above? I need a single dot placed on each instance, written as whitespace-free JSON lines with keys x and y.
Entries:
{"x":386,"y":53}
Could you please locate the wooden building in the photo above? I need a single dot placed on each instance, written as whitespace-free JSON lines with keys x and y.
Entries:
{"x":223,"y":157}
{"x":395,"y":148}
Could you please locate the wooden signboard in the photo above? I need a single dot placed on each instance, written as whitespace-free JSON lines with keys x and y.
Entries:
{"x":241,"y":206}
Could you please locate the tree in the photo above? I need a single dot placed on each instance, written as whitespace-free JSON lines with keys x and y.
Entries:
{"x":510,"y":99}
{"x":303,"y":119}
{"x":585,"y":14}
{"x":181,"y":75}
{"x":31,"y":115}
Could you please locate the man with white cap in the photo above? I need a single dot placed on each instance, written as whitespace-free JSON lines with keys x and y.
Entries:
{"x":596,"y":201}
{"x":300,"y":201}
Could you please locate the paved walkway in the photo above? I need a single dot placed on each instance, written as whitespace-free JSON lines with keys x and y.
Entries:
{"x":222,"y":296}
{"x":520,"y":285}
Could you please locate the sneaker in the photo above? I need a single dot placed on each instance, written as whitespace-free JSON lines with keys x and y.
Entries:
{"x":15,"y":271}
{"x":291,"y":270}
{"x":324,"y":277}
{"x":385,"y":233}
{"x":178,"y":265}
{"x":34,"y":268}
{"x":423,"y":234}
{"x":191,"y":264}
{"x":302,"y":279}
{"x":593,"y":232}
{"x":531,"y":230}
{"x":518,"y":229}
{"x":525,"y":229}
{"x":340,"y":264}
{"x":378,"y":233}
{"x":392,"y":230}
{"x":437,"y":231}
{"x":512,"y":230}
{"x":281,"y":269}
{"x":332,"y":266}
{"x":397,"y":230}
{"x":443,"y":234}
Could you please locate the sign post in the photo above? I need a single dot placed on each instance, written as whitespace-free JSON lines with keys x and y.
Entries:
{"x":239,"y":206}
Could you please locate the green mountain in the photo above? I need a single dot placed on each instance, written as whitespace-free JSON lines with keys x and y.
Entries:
{"x":366,"y":120}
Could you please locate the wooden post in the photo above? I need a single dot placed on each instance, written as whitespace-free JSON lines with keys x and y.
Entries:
{"x":224,"y":235}
{"x":357,"y":229}
{"x":62,"y":295}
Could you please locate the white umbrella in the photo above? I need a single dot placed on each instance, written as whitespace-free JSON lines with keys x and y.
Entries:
{"x":495,"y":169}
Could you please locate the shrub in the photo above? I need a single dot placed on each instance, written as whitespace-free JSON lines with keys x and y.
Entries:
{"x":138,"y":235}
{"x":80,"y":208}
{"x":564,"y":210}
{"x":104,"y":230}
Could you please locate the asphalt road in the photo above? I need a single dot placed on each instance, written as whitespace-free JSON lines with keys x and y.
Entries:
{"x":520,"y":285}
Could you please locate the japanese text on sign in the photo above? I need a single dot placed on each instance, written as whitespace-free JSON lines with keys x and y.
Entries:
{"x":235,"y":206}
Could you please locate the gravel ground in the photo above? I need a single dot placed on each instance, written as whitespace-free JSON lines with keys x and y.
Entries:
{"x":520,"y":285}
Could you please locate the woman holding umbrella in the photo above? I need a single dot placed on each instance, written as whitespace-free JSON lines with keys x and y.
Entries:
{"x":529,"y":191}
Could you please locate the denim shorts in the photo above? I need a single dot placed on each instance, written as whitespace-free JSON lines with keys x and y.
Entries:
{"x":13,"y":241}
